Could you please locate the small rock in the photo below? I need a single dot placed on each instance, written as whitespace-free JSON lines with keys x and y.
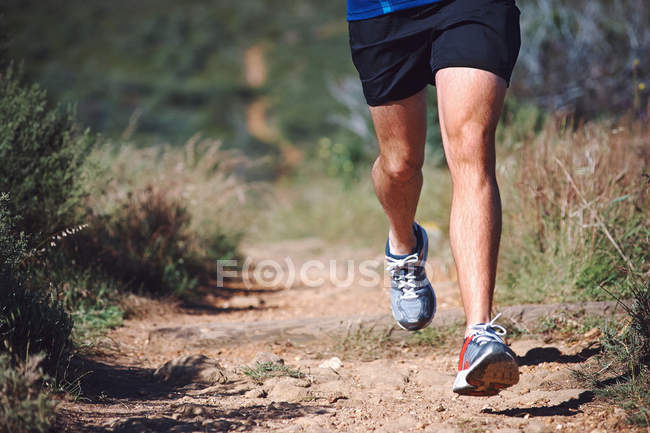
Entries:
{"x":264,"y":357}
{"x":440,"y":408}
{"x":333,"y":363}
{"x":333,"y":398}
{"x":255,"y":393}
{"x":290,"y":394}
{"x":286,"y":389}
{"x":592,"y":333}
{"x":191,"y":368}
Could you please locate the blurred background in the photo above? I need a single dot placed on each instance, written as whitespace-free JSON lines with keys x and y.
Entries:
{"x":264,"y":75}
{"x":142,"y":141}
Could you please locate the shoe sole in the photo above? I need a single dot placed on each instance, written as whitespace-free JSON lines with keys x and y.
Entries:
{"x":488,"y":376}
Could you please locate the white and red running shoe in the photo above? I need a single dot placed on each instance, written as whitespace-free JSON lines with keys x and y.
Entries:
{"x":486,"y":365}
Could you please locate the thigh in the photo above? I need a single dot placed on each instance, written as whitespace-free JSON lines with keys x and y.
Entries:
{"x":469,"y":105}
{"x":401,"y":128}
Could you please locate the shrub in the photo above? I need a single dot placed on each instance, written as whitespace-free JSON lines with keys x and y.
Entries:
{"x":144,"y":244}
{"x":582,"y":56}
{"x":42,"y":150}
{"x":30,"y":321}
{"x":165,"y":215}
{"x":24,"y":406}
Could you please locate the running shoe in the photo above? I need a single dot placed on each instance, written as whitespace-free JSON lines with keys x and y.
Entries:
{"x":411,"y":296}
{"x":486,"y":365}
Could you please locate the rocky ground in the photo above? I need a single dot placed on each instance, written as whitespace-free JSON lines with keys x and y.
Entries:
{"x":294,"y":358}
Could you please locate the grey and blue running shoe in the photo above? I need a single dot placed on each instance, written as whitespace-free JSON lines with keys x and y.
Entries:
{"x":411,"y":296}
{"x":486,"y":365}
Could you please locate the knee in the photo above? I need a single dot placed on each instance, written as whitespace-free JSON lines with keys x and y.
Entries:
{"x":399,"y":169}
{"x":471,"y":147}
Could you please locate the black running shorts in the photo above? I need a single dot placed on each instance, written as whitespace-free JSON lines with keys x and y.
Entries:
{"x":399,"y":53}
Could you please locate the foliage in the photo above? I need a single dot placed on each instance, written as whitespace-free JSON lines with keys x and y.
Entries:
{"x":31,"y":320}
{"x":167,"y":69}
{"x":171,"y":69}
{"x":623,"y":370}
{"x":24,"y":406}
{"x":144,"y":244}
{"x":582,"y":56}
{"x":42,"y":151}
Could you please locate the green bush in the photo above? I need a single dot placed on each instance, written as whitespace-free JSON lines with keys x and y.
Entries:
{"x":42,"y":151}
{"x":24,"y":406}
{"x":31,"y":321}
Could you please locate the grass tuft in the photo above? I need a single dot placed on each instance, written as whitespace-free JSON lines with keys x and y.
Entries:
{"x":264,"y":370}
{"x":622,"y":373}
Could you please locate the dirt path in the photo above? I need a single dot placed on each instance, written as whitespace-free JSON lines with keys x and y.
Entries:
{"x":389,"y":381}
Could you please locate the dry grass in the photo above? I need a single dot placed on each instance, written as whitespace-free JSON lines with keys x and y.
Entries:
{"x":575,"y":212}
{"x":206,"y":177}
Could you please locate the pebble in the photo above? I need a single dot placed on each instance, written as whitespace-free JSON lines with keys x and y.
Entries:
{"x":333,"y":363}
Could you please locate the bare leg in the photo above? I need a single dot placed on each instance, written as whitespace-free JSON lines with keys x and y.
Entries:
{"x":469,"y":105}
{"x":397,"y":172}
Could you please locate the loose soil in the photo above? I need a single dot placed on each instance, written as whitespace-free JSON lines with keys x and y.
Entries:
{"x":388,"y":381}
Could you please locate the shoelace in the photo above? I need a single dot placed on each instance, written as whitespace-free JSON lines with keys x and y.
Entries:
{"x":486,"y":332}
{"x":405,"y":282}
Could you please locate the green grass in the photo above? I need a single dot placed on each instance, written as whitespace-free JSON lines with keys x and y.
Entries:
{"x":92,"y":323}
{"x":621,"y":373}
{"x":264,"y":370}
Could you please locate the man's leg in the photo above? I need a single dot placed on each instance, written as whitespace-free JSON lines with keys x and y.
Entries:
{"x":397,"y":172}
{"x":469,"y":104}
{"x":397,"y":175}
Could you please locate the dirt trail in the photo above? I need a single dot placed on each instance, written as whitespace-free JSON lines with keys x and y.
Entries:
{"x":386,"y":382}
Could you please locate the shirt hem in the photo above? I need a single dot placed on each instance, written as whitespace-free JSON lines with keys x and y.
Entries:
{"x":380,"y":10}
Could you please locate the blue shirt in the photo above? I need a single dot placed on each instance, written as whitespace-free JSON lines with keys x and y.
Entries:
{"x":362,"y":9}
